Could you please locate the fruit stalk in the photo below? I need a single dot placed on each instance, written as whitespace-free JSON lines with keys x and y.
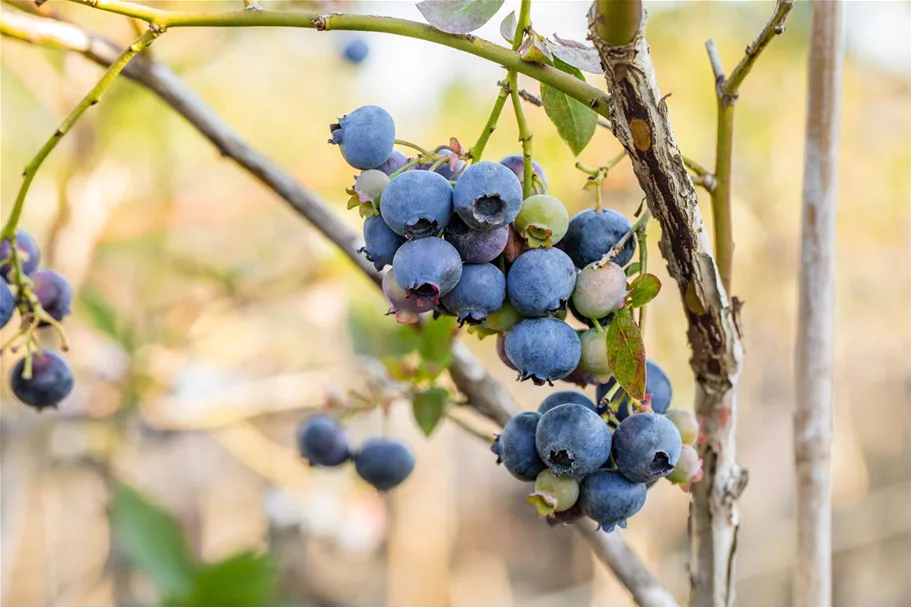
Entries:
{"x":477,"y":150}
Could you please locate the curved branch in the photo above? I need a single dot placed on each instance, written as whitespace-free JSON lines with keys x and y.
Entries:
{"x":575,"y":88}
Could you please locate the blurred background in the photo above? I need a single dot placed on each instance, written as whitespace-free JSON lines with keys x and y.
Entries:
{"x":210,"y":318}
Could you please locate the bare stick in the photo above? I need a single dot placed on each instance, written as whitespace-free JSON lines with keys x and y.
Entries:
{"x":815,"y":328}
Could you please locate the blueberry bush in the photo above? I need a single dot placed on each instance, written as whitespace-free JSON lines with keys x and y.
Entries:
{"x":458,"y":241}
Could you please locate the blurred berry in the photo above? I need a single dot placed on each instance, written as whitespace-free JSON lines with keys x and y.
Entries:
{"x":384,"y":463}
{"x":516,"y":164}
{"x":7,"y":303}
{"x":356,"y":51}
{"x":51,"y":380}
{"x":322,"y":441}
{"x":29,"y":255}
{"x":53,"y":292}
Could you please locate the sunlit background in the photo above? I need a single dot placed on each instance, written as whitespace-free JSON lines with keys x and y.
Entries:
{"x":210,"y":318}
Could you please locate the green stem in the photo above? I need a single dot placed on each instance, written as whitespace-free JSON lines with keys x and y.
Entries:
{"x":721,"y":196}
{"x":642,"y":242}
{"x":617,"y":21}
{"x":405,"y":167}
{"x":525,"y":134}
{"x":566,"y":83}
{"x":477,"y":150}
{"x":413,"y":146}
{"x":92,"y":98}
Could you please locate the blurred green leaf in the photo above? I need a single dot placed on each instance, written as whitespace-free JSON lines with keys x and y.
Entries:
{"x":102,"y":313}
{"x":428,"y":407}
{"x":241,"y":580}
{"x":458,"y":16}
{"x":153,"y":541}
{"x":643,"y":289}
{"x":373,"y":334}
{"x":575,"y":121}
{"x":632,"y":269}
{"x":436,"y":343}
{"x":626,"y":353}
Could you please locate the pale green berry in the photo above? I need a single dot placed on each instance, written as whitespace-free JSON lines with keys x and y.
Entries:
{"x":594,"y":354}
{"x":686,"y":423}
{"x":553,"y":494}
{"x":542,"y":221}
{"x":503,"y":319}
{"x":599,"y":290}
{"x":688,"y":468}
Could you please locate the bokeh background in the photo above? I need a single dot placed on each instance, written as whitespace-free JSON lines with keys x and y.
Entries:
{"x":210,"y":318}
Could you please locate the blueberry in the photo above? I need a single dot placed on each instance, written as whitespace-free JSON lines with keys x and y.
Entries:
{"x":445,"y":169}
{"x":540,"y":282}
{"x":516,"y":164}
{"x":365,"y":136}
{"x":479,"y":293}
{"x":515,"y":245}
{"x":542,"y":221}
{"x":427,"y":269}
{"x":543,"y":349}
{"x":475,"y":246}
{"x":29,"y":254}
{"x":564,"y":397}
{"x":53,"y":291}
{"x":646,"y":447}
{"x":591,"y":235}
{"x":487,"y":196}
{"x":322,"y":441}
{"x":406,"y":309}
{"x":380,"y":242}
{"x":384,"y":463}
{"x":392,"y":164}
{"x":609,"y":498}
{"x":686,"y":423}
{"x":417,"y":204}
{"x":7,"y":303}
{"x":658,"y":385}
{"x":356,"y":51}
{"x":688,"y":468}
{"x":600,"y":290}
{"x":50,"y":382}
{"x":573,"y":440}
{"x":515,"y":447}
{"x":594,"y":355}
{"x":553,"y":493}
{"x":501,"y":351}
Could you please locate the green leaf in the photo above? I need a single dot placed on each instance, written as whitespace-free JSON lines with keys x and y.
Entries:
{"x":428,"y":407}
{"x":241,"y":580}
{"x":153,"y":541}
{"x":376,"y":336}
{"x":632,"y":269}
{"x":643,"y":289}
{"x":575,"y":121}
{"x":626,"y":353}
{"x":102,"y":314}
{"x":458,"y":16}
{"x":436,"y":343}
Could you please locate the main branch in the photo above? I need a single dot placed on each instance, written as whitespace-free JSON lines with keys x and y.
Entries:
{"x":641,"y":121}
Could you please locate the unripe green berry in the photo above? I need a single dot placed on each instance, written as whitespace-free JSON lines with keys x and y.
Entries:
{"x":542,"y":221}
{"x":503,"y":319}
{"x":594,"y":354}
{"x":553,"y":494}
{"x":688,"y":468}
{"x":367,"y":190}
{"x":599,"y":290}
{"x":686,"y":423}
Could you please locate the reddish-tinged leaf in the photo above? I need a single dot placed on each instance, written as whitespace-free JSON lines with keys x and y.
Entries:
{"x":626,"y":353}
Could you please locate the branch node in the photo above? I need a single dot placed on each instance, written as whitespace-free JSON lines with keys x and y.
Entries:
{"x":320,"y":23}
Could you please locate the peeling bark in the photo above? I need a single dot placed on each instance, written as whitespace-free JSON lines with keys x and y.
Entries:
{"x":642,"y":124}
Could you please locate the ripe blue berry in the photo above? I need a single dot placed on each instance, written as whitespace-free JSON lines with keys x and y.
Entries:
{"x":516,"y":164}
{"x":384,"y":463}
{"x":540,"y":282}
{"x":406,"y":309}
{"x":51,"y":380}
{"x":417,"y":204}
{"x":543,"y":349}
{"x":427,"y":269}
{"x":322,"y":441}
{"x":591,"y":235}
{"x":53,"y":291}
{"x":686,"y":423}
{"x":564,"y":397}
{"x":573,"y":440}
{"x":515,"y":447}
{"x":444,"y":169}
{"x":609,"y":498}
{"x":479,"y":293}
{"x":356,"y":51}
{"x":29,"y":255}
{"x":646,"y":447}
{"x":600,"y":290}
{"x":501,"y":351}
{"x":7,"y":303}
{"x":365,"y":136}
{"x":542,"y":221}
{"x":487,"y":196}
{"x":392,"y":164}
{"x":553,"y":494}
{"x":658,"y":385}
{"x":380,"y":242}
{"x":475,"y":246}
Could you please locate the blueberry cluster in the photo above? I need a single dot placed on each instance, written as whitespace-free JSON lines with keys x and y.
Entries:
{"x":584,"y":462}
{"x":463,"y":241}
{"x":381,"y":462}
{"x":42,"y":378}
